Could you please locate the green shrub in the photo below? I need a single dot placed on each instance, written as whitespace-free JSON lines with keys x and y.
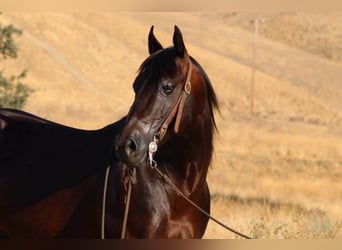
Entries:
{"x":13,"y":92}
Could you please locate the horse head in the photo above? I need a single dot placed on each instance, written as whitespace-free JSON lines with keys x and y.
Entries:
{"x":171,"y":97}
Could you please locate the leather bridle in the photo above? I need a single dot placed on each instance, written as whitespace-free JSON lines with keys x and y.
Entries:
{"x":177,"y":111}
{"x":178,"y":107}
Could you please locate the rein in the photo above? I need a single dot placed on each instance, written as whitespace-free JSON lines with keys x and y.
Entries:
{"x":153,"y":147}
{"x":179,"y":192}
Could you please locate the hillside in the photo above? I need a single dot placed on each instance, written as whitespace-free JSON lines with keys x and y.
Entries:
{"x":282,"y":168}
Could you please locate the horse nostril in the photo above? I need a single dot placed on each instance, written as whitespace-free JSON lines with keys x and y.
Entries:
{"x":131,"y":146}
{"x":132,"y":151}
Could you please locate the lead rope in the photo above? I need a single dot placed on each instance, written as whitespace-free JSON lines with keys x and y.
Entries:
{"x":153,"y":147}
{"x":129,"y":180}
{"x":104,"y":203}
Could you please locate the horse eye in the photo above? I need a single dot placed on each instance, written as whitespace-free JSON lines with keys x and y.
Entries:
{"x":168,"y":87}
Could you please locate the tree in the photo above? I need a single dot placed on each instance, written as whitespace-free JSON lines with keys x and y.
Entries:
{"x":13,"y":93}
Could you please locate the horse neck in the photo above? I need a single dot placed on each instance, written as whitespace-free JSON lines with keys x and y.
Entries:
{"x":199,"y":142}
{"x":187,"y":157}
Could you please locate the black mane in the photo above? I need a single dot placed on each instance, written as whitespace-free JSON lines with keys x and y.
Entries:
{"x":212,"y":98}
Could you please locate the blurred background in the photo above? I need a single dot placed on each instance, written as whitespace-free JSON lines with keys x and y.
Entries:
{"x":277,"y":166}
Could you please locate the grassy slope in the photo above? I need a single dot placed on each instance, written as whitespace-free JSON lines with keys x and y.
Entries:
{"x":277,"y":175}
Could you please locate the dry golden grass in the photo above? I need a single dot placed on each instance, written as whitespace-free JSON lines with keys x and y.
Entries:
{"x":276,"y":175}
{"x":317,"y":33}
{"x":275,"y":183}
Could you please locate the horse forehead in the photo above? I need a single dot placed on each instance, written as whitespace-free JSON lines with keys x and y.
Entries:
{"x":166,"y":63}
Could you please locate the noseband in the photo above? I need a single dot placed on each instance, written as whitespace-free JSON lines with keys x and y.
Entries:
{"x":176,"y":110}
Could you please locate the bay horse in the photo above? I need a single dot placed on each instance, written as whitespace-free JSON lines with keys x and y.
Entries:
{"x":52,"y":176}
{"x":173,"y":112}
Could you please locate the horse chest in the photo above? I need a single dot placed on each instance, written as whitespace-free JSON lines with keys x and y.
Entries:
{"x":158,"y":217}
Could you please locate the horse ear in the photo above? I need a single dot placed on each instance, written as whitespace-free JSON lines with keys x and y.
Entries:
{"x":153,"y":44}
{"x":178,"y":42}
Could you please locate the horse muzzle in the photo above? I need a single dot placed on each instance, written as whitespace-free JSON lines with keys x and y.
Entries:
{"x":132,"y":150}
